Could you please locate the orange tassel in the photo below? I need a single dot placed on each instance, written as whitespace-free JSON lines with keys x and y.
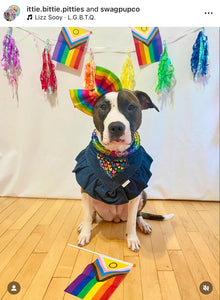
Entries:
{"x":90,"y":73}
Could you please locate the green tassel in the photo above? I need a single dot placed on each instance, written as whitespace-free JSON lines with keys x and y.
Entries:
{"x":165,"y":73}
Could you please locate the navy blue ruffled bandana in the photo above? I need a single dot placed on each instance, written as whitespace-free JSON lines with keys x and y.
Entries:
{"x":113,"y":180}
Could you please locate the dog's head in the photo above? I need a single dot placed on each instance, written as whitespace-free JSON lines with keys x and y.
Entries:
{"x":117,"y":115}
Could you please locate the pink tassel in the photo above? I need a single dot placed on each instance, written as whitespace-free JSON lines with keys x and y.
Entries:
{"x":48,"y":77}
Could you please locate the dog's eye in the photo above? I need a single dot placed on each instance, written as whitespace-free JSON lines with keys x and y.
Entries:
{"x":103,"y":106}
{"x":132,"y":107}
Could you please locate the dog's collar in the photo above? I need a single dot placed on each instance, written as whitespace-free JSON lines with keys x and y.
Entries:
{"x":134,"y":146}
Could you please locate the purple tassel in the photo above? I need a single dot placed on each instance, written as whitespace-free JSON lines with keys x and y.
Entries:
{"x":10,"y":61}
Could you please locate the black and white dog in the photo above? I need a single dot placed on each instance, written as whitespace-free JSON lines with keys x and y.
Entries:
{"x":117,"y":116}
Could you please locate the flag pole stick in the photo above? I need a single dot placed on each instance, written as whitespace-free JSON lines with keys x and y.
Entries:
{"x":93,"y":252}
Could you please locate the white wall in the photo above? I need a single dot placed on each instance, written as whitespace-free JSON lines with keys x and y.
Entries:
{"x":39,"y":139}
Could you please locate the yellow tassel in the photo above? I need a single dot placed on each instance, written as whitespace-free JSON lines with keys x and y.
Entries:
{"x":127,"y":75}
{"x":90,"y":73}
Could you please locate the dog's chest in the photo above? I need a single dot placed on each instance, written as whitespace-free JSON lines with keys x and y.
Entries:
{"x":115,"y":213}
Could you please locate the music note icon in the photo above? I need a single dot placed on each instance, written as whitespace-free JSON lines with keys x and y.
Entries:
{"x":29,"y":17}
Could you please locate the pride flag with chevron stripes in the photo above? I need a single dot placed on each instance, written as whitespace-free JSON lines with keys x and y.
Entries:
{"x":70,"y":46}
{"x":99,"y":279}
{"x":148,"y":44}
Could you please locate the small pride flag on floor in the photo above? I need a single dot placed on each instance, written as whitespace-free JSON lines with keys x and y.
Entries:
{"x":99,"y":279}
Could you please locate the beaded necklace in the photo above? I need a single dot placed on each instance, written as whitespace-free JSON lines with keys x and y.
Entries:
{"x":134,"y":146}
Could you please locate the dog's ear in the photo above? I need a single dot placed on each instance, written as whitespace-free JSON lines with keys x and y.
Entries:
{"x":145,"y":100}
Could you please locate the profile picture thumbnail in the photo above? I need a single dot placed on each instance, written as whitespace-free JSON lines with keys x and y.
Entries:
{"x":11,"y":13}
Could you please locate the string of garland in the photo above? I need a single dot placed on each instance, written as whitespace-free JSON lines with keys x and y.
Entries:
{"x":10,"y":61}
{"x":199,"y":66}
{"x":48,"y":77}
{"x":104,"y":49}
{"x":127,"y":75}
{"x":165,"y":73}
{"x":199,"y":59}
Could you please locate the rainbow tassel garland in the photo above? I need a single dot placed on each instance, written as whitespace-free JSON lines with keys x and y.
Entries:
{"x":10,"y":61}
{"x":165,"y":73}
{"x":90,"y":73}
{"x":199,"y":59}
{"x":127,"y":75}
{"x":48,"y":77}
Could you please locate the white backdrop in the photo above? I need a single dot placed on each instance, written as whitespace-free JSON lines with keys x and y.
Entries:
{"x":39,"y":139}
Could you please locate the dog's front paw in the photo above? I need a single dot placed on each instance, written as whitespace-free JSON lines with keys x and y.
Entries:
{"x":83,"y":239}
{"x":85,"y":234}
{"x":79,"y":228}
{"x":133,"y":243}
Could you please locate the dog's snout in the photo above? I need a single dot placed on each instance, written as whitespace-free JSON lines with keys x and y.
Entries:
{"x":116,"y":129}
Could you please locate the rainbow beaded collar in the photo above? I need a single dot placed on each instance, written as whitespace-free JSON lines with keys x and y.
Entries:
{"x":134,"y":146}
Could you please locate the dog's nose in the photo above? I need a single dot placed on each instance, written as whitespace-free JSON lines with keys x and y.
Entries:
{"x":116,"y":129}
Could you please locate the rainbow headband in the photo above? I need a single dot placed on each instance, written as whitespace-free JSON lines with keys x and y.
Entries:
{"x":105,"y":81}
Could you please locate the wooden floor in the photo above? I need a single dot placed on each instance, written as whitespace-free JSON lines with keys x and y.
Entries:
{"x":173,"y":261}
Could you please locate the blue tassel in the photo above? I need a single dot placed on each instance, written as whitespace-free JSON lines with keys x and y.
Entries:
{"x":199,"y":59}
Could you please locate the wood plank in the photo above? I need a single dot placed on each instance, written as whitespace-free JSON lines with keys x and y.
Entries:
{"x":148,"y":271}
{"x":14,"y":215}
{"x":208,"y":236}
{"x":184,"y":216}
{"x":159,"y":247}
{"x":52,"y":212}
{"x":26,"y":275}
{"x":116,"y":242}
{"x":57,"y":286}
{"x":194,"y":262}
{"x":199,"y":205}
{"x":52,"y":230}
{"x":211,"y":222}
{"x":66,"y":263}
{"x":132,"y":286}
{"x":5,"y":202}
{"x":103,"y":233}
{"x":16,"y":263}
{"x":149,"y":207}
{"x":6,"y":238}
{"x":166,"y":226}
{"x":24,"y":218}
{"x":46,"y":271}
{"x":207,"y":258}
{"x":174,"y":260}
{"x":10,"y":209}
{"x":186,"y":285}
{"x":168,"y":284}
{"x":22,"y":235}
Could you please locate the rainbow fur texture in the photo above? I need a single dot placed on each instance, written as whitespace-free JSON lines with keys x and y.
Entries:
{"x":105,"y":81}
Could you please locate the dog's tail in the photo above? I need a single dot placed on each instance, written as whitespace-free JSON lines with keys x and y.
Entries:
{"x":156,"y":217}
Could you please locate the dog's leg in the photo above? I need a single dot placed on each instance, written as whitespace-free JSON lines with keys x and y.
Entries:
{"x":86,"y":226}
{"x":143,"y":226}
{"x":132,"y":239}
